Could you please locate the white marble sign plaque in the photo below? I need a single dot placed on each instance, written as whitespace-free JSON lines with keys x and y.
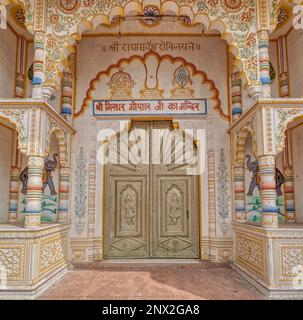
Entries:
{"x":154,"y":107}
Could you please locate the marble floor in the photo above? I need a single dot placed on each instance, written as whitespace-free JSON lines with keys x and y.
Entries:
{"x":208,"y":282}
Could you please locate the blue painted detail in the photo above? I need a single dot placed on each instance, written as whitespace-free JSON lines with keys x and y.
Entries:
{"x":33,"y":211}
{"x":236,"y":110}
{"x":265,"y":80}
{"x":290,"y":209}
{"x":36,"y":81}
{"x":268,"y":209}
{"x":66,"y":111}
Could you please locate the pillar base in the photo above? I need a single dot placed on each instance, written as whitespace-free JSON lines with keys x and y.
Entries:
{"x":32,"y":221}
{"x":62,"y":217}
{"x":12,"y":217}
{"x":255,"y":91}
{"x":240,"y":217}
{"x":269,"y":220}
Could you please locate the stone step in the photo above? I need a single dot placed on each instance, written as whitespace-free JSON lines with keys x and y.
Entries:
{"x":147,"y":264}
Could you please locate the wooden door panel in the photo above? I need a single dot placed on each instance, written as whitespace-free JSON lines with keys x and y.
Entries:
{"x":126,"y":218}
{"x":175,"y":217}
{"x":151,"y":210}
{"x":127,"y":199}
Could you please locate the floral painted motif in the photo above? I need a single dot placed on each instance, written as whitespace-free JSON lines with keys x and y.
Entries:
{"x":238,"y":17}
{"x":223,"y":196}
{"x":151,"y":15}
{"x":68,"y":6}
{"x":80,"y":191}
{"x":232,"y":5}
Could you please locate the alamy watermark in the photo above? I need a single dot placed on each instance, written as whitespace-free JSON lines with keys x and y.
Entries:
{"x":158,"y":146}
{"x":3,"y":17}
{"x":298,"y":17}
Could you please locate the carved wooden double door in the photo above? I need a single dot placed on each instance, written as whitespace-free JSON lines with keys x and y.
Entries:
{"x":151,"y":202}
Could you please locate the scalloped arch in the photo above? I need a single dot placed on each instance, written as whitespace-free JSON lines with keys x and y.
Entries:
{"x":240,"y":45}
{"x":22,"y":145}
{"x":293,"y":118}
{"x":59,"y":134}
{"x":204,"y":80}
{"x":242,"y":135}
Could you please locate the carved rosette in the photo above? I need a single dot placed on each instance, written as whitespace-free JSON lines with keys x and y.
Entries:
{"x":250,"y":253}
{"x":52,"y":253}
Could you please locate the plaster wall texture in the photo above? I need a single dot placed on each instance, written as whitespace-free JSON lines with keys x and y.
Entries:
{"x":6,"y":138}
{"x":7,"y":63}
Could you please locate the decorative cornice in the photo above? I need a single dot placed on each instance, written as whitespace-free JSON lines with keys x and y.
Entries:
{"x":22,"y":233}
{"x":285,"y":231}
{"x":266,"y":102}
{"x":28,"y":103}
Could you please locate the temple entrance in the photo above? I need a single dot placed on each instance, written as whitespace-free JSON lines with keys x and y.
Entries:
{"x":151,"y":195}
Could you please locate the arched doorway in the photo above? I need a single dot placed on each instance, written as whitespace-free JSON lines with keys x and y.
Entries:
{"x":151,"y":194}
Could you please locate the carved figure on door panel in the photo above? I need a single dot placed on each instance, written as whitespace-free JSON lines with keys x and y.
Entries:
{"x":129,"y":200}
{"x":175,"y":211}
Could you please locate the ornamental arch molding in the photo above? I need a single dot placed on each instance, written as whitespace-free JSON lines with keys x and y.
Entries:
{"x":204,"y":81}
{"x":240,"y":137}
{"x":234,"y":20}
{"x":17,"y":118}
{"x":62,"y":142}
{"x":285,"y":117}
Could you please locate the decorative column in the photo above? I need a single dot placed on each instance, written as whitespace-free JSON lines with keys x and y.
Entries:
{"x":14,"y":180}
{"x":268,"y":193}
{"x":67,"y":95}
{"x":68,"y":88}
{"x":289,"y":194}
{"x":63,"y":194}
{"x":13,"y":194}
{"x":38,"y":67}
{"x":283,"y":67}
{"x":39,"y":47}
{"x":239,"y":191}
{"x":236,"y":95}
{"x":20,"y":72}
{"x":263,"y":45}
{"x":34,"y":192}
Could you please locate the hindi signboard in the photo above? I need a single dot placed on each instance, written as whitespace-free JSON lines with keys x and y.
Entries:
{"x":154,"y":107}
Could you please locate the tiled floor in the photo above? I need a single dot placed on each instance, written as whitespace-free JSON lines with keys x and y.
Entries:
{"x":217,"y":282}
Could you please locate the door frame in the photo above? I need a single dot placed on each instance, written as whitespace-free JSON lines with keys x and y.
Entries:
{"x":175,"y":125}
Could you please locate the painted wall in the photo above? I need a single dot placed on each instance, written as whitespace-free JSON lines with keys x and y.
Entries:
{"x":6,"y":140}
{"x":8,"y":49}
{"x":273,"y":58}
{"x":297,"y":149}
{"x":295,"y":59}
{"x":29,"y":62}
